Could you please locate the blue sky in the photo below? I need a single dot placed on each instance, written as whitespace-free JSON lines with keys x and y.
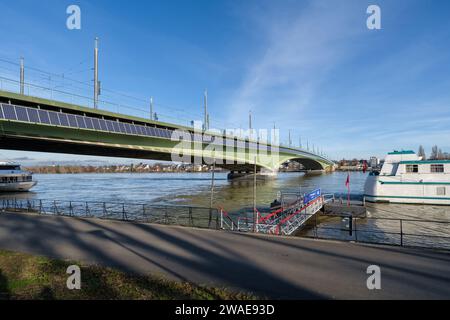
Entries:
{"x":309,"y":66}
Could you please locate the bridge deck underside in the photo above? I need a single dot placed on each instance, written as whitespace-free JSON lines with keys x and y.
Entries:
{"x":22,"y":143}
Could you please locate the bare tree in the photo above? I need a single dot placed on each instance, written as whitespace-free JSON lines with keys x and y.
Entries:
{"x":440,"y":155}
{"x":434,"y":153}
{"x":421,"y":153}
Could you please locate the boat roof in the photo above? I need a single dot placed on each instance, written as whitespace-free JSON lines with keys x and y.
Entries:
{"x":395,"y":152}
{"x":426,"y":162}
{"x":8,"y":163}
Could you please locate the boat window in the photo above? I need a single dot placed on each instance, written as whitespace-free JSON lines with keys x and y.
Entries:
{"x":7,"y":167}
{"x":412,"y":168}
{"x":440,"y":191}
{"x":437,"y":168}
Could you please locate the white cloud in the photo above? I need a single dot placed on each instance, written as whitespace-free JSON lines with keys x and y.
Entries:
{"x":300,"y":53}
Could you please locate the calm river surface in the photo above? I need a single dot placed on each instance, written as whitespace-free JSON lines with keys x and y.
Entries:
{"x":194,"y":189}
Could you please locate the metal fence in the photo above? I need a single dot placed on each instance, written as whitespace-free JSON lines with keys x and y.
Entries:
{"x":390,"y":231}
{"x":200,"y":217}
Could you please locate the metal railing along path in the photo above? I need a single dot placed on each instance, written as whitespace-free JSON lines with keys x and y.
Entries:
{"x":201,"y":217}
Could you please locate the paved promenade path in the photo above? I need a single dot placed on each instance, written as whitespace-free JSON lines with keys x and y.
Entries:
{"x":276,"y":267}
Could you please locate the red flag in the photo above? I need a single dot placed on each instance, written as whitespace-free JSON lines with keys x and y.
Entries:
{"x":347,"y":184}
{"x":365,"y":166}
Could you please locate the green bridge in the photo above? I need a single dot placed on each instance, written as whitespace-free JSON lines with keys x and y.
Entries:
{"x":35,"y":124}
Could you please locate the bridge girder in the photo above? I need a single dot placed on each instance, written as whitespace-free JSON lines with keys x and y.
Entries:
{"x":40,"y":137}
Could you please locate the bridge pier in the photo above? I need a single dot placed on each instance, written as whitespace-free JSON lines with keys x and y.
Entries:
{"x":249,"y":175}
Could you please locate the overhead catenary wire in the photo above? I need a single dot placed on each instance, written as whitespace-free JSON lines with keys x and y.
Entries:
{"x":58,"y":81}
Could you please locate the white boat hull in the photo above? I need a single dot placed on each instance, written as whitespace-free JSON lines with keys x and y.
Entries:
{"x":17,"y":186}
{"x":377,"y":190}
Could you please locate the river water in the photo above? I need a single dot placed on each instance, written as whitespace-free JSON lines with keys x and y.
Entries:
{"x":194,"y":189}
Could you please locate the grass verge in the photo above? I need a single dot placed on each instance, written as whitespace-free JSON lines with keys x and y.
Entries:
{"x":24,"y":276}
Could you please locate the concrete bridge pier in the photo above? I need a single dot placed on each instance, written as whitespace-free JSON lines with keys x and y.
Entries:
{"x":249,"y":175}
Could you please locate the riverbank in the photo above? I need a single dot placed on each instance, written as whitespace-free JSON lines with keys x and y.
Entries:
{"x":25,"y":276}
{"x":132,"y":168}
{"x":261,"y":265}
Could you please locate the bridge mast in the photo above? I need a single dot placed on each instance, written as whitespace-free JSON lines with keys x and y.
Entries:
{"x":151,"y":108}
{"x":22,"y":76}
{"x":290,"y":141}
{"x":206,"y":117}
{"x":96,"y":83}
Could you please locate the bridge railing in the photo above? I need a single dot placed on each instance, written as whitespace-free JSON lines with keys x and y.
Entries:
{"x":54,"y":93}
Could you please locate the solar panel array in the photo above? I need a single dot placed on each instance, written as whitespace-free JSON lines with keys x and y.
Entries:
{"x":26,"y":114}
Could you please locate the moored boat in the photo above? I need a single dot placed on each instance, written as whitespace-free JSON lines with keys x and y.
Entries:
{"x":14,"y":179}
{"x":407,"y":178}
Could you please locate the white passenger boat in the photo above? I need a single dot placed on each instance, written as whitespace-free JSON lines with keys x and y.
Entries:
{"x":14,"y":179}
{"x":407,"y":178}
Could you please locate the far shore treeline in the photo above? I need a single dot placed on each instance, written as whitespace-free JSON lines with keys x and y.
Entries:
{"x":131,"y":168}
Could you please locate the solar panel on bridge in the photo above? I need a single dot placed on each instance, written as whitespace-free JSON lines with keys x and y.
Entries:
{"x":116,"y":126}
{"x":109,"y":126}
{"x":152,"y":131}
{"x":80,"y":121}
{"x":88,"y":122}
{"x":96,"y":124}
{"x":77,"y":121}
{"x":33,"y":115}
{"x":145,"y":130}
{"x":21,"y":113}
{"x":1,"y":112}
{"x":9,"y":112}
{"x":72,"y":120}
{"x":131,"y":128}
{"x":122,"y":127}
{"x":127,"y":128}
{"x":160,"y":132}
{"x":103,"y":125}
{"x":62,"y":119}
{"x":43,"y":115}
{"x":54,"y":118}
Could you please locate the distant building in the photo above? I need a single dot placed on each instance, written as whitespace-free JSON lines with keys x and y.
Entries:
{"x":374,"y":162}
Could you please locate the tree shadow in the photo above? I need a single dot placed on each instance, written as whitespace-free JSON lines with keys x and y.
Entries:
{"x":5,"y":293}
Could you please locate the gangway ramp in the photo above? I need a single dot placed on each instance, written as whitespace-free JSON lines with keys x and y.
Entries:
{"x":284,"y":221}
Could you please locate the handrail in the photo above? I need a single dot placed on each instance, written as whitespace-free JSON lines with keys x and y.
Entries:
{"x":223,"y":212}
{"x":298,"y":211}
{"x":282,"y":209}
